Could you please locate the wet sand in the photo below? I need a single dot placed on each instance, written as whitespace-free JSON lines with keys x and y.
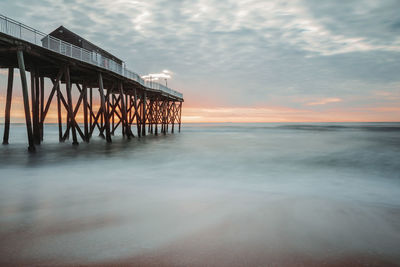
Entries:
{"x":250,"y":233}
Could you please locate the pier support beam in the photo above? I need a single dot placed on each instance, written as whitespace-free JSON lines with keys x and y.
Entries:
{"x":164,"y":119}
{"x":21,"y":65}
{"x":180,"y":115}
{"x":136,"y":113}
{"x":70,"y":109}
{"x":156,"y":117}
{"x":126,"y":128}
{"x":123,"y":106}
{"x":112,"y":113}
{"x":104,"y":110}
{"x":34,"y":103}
{"x":8,"y":106}
{"x":85,"y":112}
{"x":90,"y":113}
{"x":41,"y":118}
{"x":173,"y":116}
{"x":144,"y":103}
{"x":36,"y":123}
{"x":57,"y":84}
{"x":168,"y":114}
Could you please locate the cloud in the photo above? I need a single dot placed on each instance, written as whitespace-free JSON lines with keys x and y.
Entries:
{"x":243,"y":53}
{"x":165,"y":74}
{"x":388,"y":95}
{"x":324,"y":101}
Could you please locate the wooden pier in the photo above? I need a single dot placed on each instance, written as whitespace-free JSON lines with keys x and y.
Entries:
{"x":125,"y":99}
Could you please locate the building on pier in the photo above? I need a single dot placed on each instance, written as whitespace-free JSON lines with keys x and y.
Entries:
{"x":70,"y":37}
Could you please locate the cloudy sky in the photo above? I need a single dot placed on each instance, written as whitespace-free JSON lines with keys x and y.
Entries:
{"x":298,"y":60}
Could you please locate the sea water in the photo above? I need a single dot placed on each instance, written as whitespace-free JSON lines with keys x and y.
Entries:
{"x":214,"y":194}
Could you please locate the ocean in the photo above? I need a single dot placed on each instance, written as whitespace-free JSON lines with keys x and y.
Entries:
{"x":272,"y":194}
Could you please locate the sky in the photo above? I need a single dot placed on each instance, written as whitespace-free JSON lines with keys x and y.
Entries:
{"x":246,"y":61}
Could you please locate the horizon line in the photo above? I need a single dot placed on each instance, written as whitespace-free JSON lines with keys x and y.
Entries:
{"x":23,"y":123}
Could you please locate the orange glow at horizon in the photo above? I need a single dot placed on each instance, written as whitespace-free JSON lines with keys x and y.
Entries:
{"x":284,"y":114}
{"x":199,"y":114}
{"x":239,"y":114}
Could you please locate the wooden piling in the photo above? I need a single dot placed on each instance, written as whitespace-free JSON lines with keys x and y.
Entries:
{"x":33,"y":95}
{"x":125,"y":127}
{"x":21,"y":65}
{"x":59,"y":112}
{"x":129,"y":108}
{"x":102,"y":116}
{"x":156,"y":117}
{"x":168,"y":114}
{"x":180,"y":115}
{"x":113,"y":113}
{"x":85,"y":112}
{"x":144,"y":103}
{"x":136,"y":113}
{"x":91,"y":108}
{"x":33,"y":105}
{"x":41,"y":118}
{"x":70,"y":108}
{"x":8,"y":106}
{"x":173,"y":117}
{"x":128,"y":125}
{"x":36,"y":124}
{"x":164,"y":128}
{"x":103,"y":107}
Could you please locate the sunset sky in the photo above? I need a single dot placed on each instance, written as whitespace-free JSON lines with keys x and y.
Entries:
{"x":245,"y":61}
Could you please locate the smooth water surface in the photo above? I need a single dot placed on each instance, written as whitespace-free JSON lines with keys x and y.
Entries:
{"x":212,"y":195}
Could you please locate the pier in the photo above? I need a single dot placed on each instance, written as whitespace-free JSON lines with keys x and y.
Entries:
{"x":76,"y":67}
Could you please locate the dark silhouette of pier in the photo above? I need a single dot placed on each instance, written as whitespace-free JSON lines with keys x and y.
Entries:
{"x":73,"y":63}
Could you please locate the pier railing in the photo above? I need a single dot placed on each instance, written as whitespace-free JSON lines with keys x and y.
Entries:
{"x":31,"y":35}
